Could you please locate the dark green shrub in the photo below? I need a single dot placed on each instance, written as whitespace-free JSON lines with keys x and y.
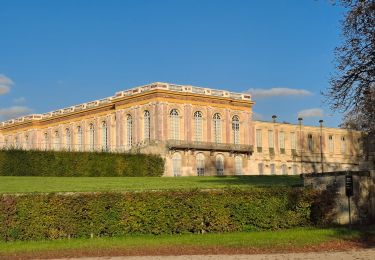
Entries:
{"x":63,"y":163}
{"x":54,"y":216}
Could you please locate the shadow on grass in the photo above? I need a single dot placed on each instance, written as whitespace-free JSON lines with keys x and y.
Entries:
{"x":362,"y":235}
{"x":255,"y":181}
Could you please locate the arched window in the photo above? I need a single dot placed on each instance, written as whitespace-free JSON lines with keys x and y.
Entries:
{"x":198,"y":122}
{"x":217,"y":127}
{"x":272,"y":169}
{"x":129,"y":128}
{"x":176,"y":164}
{"x":260,"y":168}
{"x":147,"y":125}
{"x":17,"y":142}
{"x":68,"y":140}
{"x":219,"y":164}
{"x":200,"y":164}
{"x":79,"y":138}
{"x":238,"y":165}
{"x":104,"y":136}
{"x":236,"y":129}
{"x":91,"y":137}
{"x":57,"y":141}
{"x":295,"y":169}
{"x":45,"y":141}
{"x":175,"y":124}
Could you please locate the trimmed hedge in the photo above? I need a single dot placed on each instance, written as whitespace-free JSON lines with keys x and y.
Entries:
{"x":63,"y":163}
{"x":55,"y":216}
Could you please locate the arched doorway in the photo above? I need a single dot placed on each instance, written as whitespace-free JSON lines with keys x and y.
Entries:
{"x":200,"y":164}
{"x":176,"y":164}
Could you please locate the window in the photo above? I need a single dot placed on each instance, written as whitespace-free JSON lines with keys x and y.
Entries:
{"x":330,"y":143}
{"x":176,"y":163}
{"x":27,"y":142}
{"x":236,"y":129}
{"x":293,"y":141}
{"x":295,"y":169}
{"x":17,"y":142}
{"x":91,"y":137}
{"x":272,"y":169}
{"x":79,"y":139}
{"x":310,"y":142}
{"x":343,"y":145}
{"x":270,"y":139}
{"x":147,"y":125}
{"x":6,"y":142}
{"x":129,"y":128}
{"x":217,"y":127}
{"x":259,"y":137}
{"x":175,"y":124}
{"x":68,"y":139}
{"x":198,"y":126}
{"x":219,"y":164}
{"x":238,"y":165}
{"x":45,"y":141}
{"x":57,"y":141}
{"x":200,"y":164}
{"x":104,"y":136}
{"x":282,"y":142}
{"x":284,"y":169}
{"x":260,"y":168}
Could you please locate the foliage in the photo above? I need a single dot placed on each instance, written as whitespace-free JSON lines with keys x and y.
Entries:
{"x":15,"y":162}
{"x":77,"y":215}
{"x":353,"y":84}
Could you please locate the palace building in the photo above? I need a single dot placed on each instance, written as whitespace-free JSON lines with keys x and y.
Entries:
{"x":199,"y":131}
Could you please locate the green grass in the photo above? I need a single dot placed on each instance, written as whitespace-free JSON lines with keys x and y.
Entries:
{"x":264,"y":239}
{"x":11,"y":184}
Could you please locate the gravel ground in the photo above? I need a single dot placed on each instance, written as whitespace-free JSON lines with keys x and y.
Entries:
{"x":367,"y":254}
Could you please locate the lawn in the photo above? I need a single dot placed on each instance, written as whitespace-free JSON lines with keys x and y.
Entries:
{"x":12,"y":184}
{"x":274,"y":240}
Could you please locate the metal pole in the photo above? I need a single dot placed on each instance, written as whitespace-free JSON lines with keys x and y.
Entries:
{"x":321,"y":144}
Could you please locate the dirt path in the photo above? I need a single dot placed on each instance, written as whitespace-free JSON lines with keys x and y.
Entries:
{"x":363,"y":254}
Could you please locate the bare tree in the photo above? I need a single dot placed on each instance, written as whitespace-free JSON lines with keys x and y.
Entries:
{"x":352,"y":86}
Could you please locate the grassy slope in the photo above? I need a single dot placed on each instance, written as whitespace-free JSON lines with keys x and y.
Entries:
{"x":10,"y":184}
{"x":265,"y":239}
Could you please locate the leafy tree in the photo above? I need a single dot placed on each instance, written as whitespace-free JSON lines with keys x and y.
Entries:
{"x":352,"y":87}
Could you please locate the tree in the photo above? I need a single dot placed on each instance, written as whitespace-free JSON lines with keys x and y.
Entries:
{"x":352,"y":86}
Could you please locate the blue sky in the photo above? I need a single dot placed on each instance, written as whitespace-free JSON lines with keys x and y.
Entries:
{"x":56,"y":54}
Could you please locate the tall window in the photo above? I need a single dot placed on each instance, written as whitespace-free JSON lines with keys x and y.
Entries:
{"x":68,"y":140}
{"x":147,"y":125}
{"x":259,"y":137}
{"x":330,"y":143}
{"x":175,"y":124}
{"x":176,"y":164}
{"x":343,"y":145}
{"x":198,"y":122}
{"x":27,"y":142}
{"x":217,"y":127}
{"x":129,"y":129}
{"x":295,"y":169}
{"x":238,"y":165}
{"x":219,"y":164}
{"x":17,"y":142}
{"x":104,"y":136}
{"x":45,"y":141}
{"x":270,"y":139}
{"x":293,"y":141}
{"x":282,"y":141}
{"x":260,"y":168}
{"x":272,"y":169}
{"x":91,"y":137}
{"x":236,"y":129}
{"x":284,"y":169}
{"x":57,"y":141}
{"x":79,"y":138}
{"x":310,"y":142}
{"x":200,"y":164}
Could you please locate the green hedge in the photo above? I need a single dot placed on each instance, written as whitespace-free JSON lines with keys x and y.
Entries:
{"x":54,"y":216}
{"x":53,"y":163}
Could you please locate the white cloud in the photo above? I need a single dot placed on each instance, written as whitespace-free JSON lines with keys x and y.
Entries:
{"x":13,"y":112}
{"x":5,"y":84}
{"x":277,"y":92}
{"x":19,"y":100}
{"x":312,"y":112}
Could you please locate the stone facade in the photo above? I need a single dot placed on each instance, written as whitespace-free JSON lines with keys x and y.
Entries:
{"x":199,"y":131}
